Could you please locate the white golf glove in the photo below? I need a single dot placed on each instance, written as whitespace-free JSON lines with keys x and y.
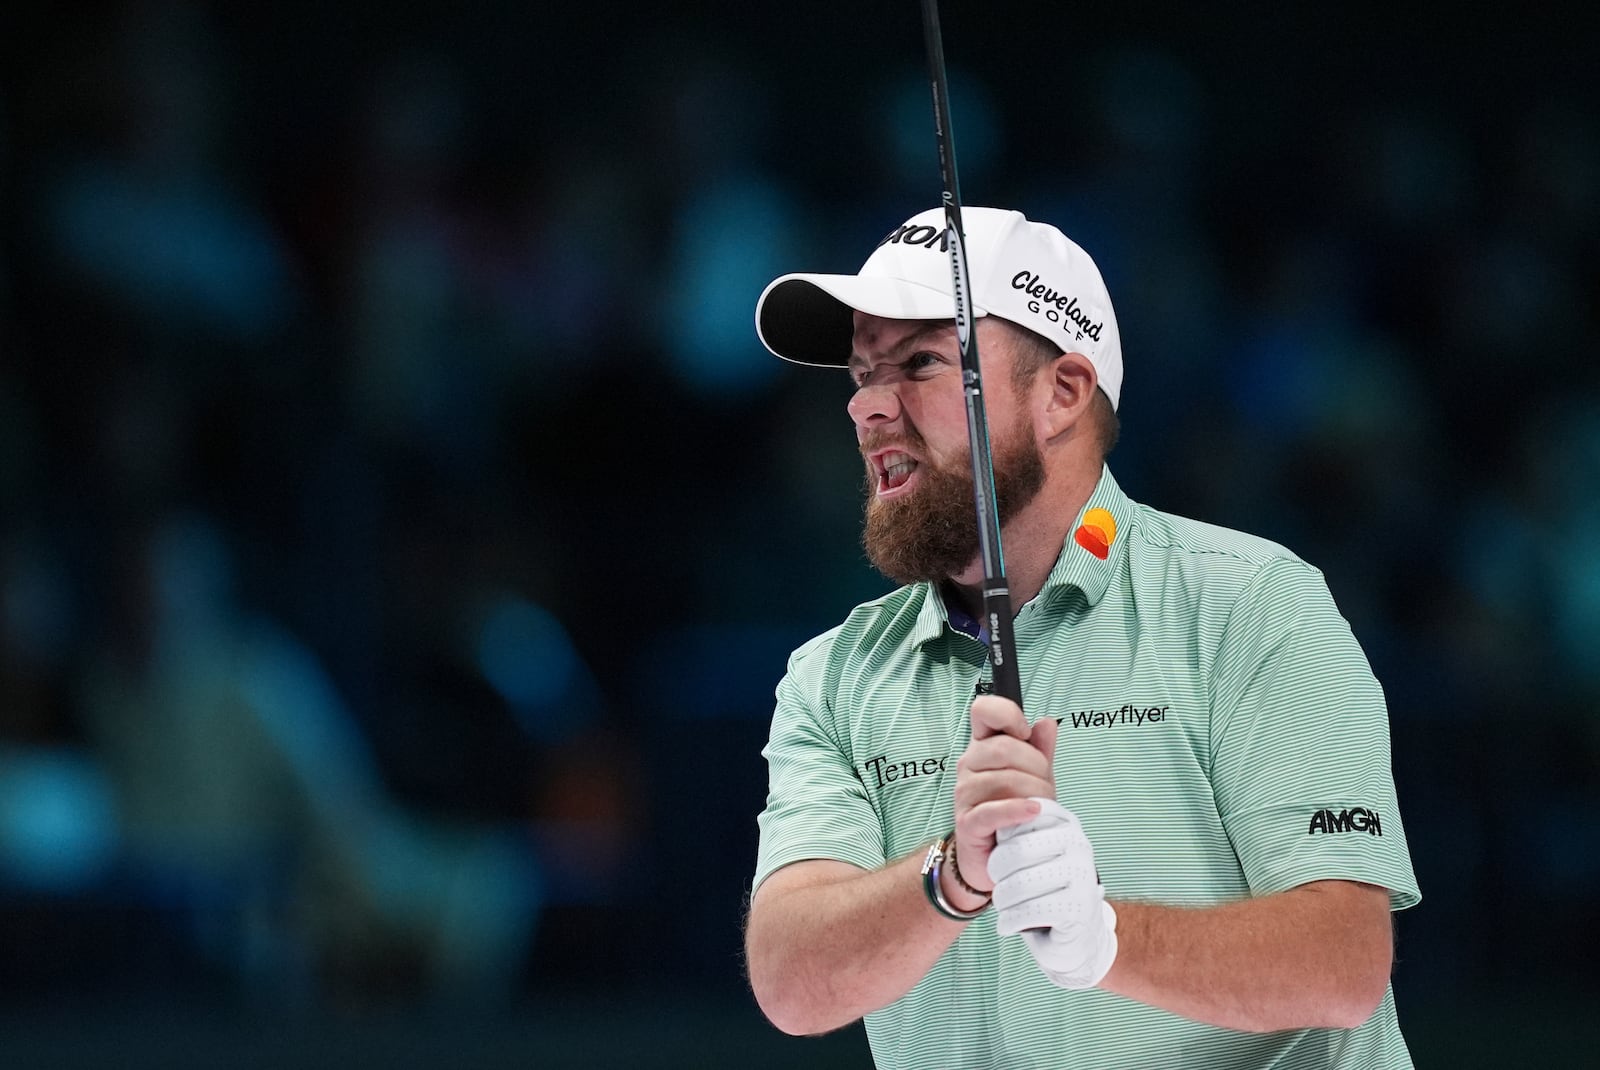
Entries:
{"x":1046,"y":888}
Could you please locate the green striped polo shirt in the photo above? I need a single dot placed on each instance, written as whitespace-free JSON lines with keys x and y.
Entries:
{"x":1222,"y":736}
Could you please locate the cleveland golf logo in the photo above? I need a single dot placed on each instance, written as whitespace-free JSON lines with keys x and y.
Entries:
{"x":1356,"y":819}
{"x":1097,"y":533}
{"x":1056,"y":306}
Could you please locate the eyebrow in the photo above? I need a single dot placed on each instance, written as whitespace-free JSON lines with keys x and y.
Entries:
{"x":910,"y":341}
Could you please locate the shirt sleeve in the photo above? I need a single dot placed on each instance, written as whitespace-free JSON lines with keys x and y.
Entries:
{"x":1300,"y":743}
{"x":817,"y":805}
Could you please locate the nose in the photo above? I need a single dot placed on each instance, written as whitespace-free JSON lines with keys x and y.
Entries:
{"x":873,"y":406}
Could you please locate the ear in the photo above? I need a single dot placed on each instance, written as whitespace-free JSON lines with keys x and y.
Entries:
{"x":1072,"y":383}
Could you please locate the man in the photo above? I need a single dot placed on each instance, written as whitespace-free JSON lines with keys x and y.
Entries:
{"x":1185,"y":854}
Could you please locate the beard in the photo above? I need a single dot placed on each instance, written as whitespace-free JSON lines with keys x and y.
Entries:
{"x":932,"y":533}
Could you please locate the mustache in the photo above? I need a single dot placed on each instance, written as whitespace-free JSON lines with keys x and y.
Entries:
{"x":908,"y":440}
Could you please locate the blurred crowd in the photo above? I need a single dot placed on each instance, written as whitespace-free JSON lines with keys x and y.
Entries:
{"x":402,"y":530}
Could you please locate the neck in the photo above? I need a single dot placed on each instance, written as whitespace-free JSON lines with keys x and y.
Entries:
{"x":1031,"y":541}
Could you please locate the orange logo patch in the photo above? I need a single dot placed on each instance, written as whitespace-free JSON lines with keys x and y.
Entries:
{"x":1098,"y":532}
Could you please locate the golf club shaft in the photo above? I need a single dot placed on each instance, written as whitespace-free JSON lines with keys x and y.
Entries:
{"x":996,"y":594}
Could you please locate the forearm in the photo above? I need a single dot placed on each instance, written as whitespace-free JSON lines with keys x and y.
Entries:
{"x":826,"y":942}
{"x":1315,"y":956}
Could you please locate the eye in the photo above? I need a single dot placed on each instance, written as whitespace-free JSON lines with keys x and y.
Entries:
{"x":921,"y":361}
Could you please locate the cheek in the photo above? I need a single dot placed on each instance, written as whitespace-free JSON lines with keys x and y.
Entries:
{"x":943,"y":424}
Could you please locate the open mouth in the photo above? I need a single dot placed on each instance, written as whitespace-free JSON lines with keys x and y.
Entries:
{"x":894,"y":470}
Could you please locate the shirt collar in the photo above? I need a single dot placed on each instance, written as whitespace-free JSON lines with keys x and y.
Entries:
{"x":931,"y":618}
{"x":1101,"y":527}
{"x":1079,"y":564}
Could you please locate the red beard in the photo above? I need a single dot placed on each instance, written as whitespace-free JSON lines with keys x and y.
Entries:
{"x":932,"y":533}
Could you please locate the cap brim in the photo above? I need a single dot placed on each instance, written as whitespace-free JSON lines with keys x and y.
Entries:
{"x":808,"y":319}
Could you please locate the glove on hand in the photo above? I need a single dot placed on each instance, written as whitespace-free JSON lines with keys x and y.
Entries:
{"x":1046,"y":888}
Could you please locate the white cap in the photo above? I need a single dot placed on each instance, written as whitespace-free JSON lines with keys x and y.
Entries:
{"x":1028,"y":273}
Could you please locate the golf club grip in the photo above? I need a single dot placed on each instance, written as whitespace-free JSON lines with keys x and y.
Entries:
{"x":996,"y":595}
{"x":1002,"y":651}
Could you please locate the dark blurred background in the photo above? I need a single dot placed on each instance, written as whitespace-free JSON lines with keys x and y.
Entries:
{"x":402,"y":530}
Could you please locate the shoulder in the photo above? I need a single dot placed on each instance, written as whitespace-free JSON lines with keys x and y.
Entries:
{"x":1224,"y":581}
{"x":891,"y":620}
{"x":1169,"y":545}
{"x":867,"y":644}
{"x":1208,"y":544}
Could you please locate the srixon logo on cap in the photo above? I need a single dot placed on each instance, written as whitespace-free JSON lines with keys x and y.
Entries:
{"x":1056,"y":306}
{"x":921,"y":234}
